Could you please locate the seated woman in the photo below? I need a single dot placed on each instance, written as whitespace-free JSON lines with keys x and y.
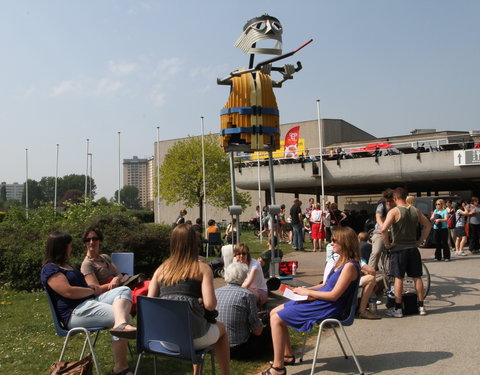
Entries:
{"x":183,"y":277}
{"x":255,"y":282}
{"x":327,"y":300}
{"x":81,"y":305}
{"x":99,"y":269}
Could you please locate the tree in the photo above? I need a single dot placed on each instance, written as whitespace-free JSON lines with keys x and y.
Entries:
{"x":77,"y":182}
{"x":35,"y":194}
{"x":3,"y":192}
{"x":128,"y":197}
{"x":72,"y":196}
{"x":181,"y":174}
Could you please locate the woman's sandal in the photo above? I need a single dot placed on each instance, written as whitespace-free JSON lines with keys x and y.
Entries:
{"x":119,"y":331}
{"x":281,"y":370}
{"x":287,"y":363}
{"x":123,"y":372}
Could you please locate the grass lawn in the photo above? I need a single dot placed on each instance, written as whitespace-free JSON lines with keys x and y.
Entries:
{"x":29,"y":344}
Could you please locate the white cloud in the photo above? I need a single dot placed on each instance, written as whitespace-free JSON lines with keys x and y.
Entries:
{"x":65,"y":87}
{"x":158,"y":96}
{"x":121,"y":68}
{"x":30,"y":91}
{"x":167,"y":68}
{"x":106,"y":85}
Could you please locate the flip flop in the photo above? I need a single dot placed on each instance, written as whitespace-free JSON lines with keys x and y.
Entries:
{"x":120,"y":332}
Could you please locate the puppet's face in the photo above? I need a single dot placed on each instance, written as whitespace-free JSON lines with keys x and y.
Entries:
{"x":264,"y":28}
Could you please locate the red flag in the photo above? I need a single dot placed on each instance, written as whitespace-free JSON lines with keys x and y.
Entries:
{"x":291,"y":143}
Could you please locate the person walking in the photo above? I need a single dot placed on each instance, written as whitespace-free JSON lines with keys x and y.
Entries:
{"x":461,"y":216}
{"x":404,"y":256}
{"x":475,"y":226}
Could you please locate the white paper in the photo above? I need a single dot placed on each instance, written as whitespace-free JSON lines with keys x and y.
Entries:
{"x":288,"y":293}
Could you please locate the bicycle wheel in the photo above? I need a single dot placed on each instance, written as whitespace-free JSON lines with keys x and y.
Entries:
{"x":408,"y":282}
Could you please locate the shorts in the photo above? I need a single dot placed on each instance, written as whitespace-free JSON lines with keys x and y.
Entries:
{"x":460,"y":232}
{"x":209,"y":338}
{"x":406,"y":261}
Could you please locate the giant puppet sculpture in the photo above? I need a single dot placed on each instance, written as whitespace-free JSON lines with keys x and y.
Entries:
{"x":250,"y":119}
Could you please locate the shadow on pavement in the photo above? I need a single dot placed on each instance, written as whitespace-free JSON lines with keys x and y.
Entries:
{"x":376,"y":363}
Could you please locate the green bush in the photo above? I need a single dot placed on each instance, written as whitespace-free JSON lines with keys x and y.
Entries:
{"x":22,"y":240}
{"x":145,"y":216}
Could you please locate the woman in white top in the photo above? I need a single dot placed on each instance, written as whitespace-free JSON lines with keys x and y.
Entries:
{"x":255,"y":282}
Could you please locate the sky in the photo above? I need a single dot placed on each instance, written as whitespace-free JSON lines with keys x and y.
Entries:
{"x":72,"y":70}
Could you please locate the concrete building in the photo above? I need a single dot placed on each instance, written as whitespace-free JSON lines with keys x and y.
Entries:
{"x":138,"y":172}
{"x":334,"y":131}
{"x":14,"y":191}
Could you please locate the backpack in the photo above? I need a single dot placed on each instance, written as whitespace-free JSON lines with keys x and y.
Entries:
{"x":452,"y":221}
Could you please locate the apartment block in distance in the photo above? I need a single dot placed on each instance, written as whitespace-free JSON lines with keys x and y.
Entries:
{"x":139,"y":173}
{"x":13,"y":191}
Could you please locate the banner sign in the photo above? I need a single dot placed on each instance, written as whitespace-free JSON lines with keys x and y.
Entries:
{"x":290,"y":149}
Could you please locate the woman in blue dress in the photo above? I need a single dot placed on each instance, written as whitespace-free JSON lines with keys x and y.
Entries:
{"x":327,"y":300}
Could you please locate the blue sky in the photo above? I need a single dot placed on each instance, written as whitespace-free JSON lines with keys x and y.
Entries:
{"x":72,"y":70}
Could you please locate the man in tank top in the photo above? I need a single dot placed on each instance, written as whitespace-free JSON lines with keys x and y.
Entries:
{"x":405,"y":257}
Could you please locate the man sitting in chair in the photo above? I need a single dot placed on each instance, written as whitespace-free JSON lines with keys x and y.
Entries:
{"x":237,"y":309}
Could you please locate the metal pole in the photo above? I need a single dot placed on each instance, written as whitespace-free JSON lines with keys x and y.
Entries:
{"x":320,"y":145}
{"x":26,"y":182}
{"x":234,"y":198}
{"x":86,"y":175}
{"x":56,"y":178}
{"x":119,"y":171}
{"x":91,"y":175}
{"x":204,"y":180}
{"x":274,"y":261}
{"x":259,"y":196}
{"x":158,"y":174}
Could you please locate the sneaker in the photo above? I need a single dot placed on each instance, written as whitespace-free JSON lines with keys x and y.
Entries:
{"x":393,"y":312}
{"x":447,"y":260}
{"x":368,"y":315}
{"x":462,"y":253}
{"x":421,"y":310}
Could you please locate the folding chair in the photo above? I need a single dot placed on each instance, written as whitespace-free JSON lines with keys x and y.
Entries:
{"x":332,"y":323}
{"x":124,"y":262}
{"x":68,"y":333}
{"x":164,"y":328}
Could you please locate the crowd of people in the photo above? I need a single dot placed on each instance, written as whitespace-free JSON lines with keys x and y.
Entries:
{"x":233,"y":319}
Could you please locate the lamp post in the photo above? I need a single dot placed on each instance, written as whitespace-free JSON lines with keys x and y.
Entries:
{"x":320,"y":145}
{"x":91,"y":176}
{"x":119,"y":171}
{"x":86,"y":174}
{"x":56,"y":184}
{"x":26,"y":182}
{"x":158,"y":174}
{"x":203,"y":169}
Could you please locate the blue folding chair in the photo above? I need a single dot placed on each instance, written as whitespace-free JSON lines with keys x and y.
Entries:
{"x":164,"y":328}
{"x":333,"y":323}
{"x":124,"y":262}
{"x":68,"y":333}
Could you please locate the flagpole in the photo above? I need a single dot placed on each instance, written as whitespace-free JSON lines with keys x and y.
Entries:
{"x":56,"y":178}
{"x":204,"y":182}
{"x":259,"y":196}
{"x":26,"y":182}
{"x":158,"y":174}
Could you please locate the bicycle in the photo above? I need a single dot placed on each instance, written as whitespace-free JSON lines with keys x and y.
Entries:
{"x":408,"y":283}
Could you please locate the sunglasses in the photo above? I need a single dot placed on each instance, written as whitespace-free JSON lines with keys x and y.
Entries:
{"x":94,"y":239}
{"x":438,"y":204}
{"x":241,"y":254}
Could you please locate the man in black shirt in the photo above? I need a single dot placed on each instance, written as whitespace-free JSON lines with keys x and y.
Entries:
{"x":297,"y":219}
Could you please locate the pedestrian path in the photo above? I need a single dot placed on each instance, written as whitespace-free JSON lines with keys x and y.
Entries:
{"x":443,"y":342}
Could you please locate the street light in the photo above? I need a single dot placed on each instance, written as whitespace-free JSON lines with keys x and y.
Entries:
{"x":86,"y":174}
{"x":320,"y":145}
{"x":204,"y":182}
{"x":119,"y":171}
{"x":158,"y":174}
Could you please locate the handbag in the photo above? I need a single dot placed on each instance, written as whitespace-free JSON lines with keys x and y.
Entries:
{"x":82,"y":367}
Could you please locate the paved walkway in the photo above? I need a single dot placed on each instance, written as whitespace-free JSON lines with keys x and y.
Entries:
{"x":446,"y":341}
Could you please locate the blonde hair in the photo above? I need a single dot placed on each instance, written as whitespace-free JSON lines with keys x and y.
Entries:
{"x":348,"y":241}
{"x":442,"y":202}
{"x":183,"y":261}
{"x":410,"y":200}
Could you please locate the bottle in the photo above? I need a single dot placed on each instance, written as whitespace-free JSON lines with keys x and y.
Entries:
{"x":294,"y":268}
{"x":372,"y":304}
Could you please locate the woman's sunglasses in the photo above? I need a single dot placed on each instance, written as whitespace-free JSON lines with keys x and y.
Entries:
{"x":94,"y":239}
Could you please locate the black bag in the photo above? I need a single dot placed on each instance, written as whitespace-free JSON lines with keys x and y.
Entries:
{"x":409,"y":302}
{"x":82,"y":367}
